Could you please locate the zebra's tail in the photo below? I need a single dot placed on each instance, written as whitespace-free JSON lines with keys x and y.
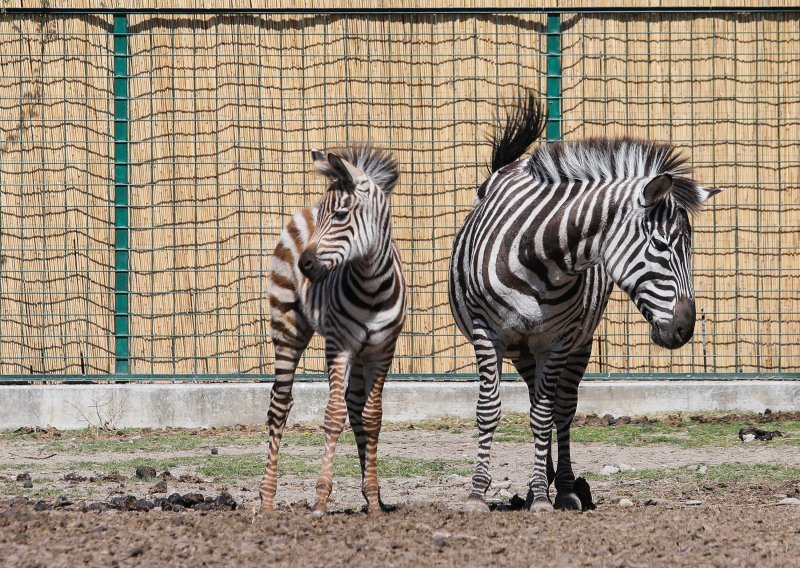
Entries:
{"x":524,"y":125}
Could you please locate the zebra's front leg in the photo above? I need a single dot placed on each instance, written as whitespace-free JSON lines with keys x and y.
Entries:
{"x":335,"y":413}
{"x":566,"y":403}
{"x":375,"y":374}
{"x":488,"y":413}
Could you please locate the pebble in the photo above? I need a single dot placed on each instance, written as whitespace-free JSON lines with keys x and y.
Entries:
{"x":506,"y":494}
{"x":702,"y":470}
{"x":609,"y":470}
{"x":160,"y":487}
{"x":453,"y":479}
{"x":789,"y":501}
{"x":694,"y":502}
{"x":625,"y":503}
{"x":625,"y":467}
{"x":214,"y":451}
{"x":144,"y":471}
{"x":28,"y":484}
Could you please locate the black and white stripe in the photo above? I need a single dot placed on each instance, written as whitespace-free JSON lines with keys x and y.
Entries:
{"x":535,"y":262}
{"x":337,"y":271}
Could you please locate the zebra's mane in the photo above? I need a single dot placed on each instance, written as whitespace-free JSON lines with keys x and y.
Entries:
{"x":617,"y":158}
{"x":377,"y":163}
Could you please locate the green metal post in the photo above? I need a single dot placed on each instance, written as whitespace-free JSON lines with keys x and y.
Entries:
{"x":553,"y":131}
{"x":121,"y":250}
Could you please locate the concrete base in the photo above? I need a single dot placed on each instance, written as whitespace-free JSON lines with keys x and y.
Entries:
{"x":220,"y":404}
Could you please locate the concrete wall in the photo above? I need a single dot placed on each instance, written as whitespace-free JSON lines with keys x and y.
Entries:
{"x":220,"y":404}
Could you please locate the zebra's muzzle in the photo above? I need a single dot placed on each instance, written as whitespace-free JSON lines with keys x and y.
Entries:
{"x":676,"y":332}
{"x":311,"y":267}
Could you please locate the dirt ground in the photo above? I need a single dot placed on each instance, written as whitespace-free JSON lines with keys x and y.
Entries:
{"x":702,"y":499}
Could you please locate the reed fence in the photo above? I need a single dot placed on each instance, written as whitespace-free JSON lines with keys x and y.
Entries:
{"x":149,"y":159}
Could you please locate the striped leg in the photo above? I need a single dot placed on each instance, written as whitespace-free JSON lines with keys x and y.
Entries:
{"x":541,"y":376}
{"x":375,"y":375}
{"x":290,"y":336}
{"x":565,"y":406}
{"x":339,"y":364}
{"x":488,"y":412}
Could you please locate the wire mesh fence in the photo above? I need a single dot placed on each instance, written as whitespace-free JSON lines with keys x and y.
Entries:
{"x":158,"y":260}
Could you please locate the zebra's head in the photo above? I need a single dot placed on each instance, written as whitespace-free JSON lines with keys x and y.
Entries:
{"x":353,"y":219}
{"x":652,"y":260}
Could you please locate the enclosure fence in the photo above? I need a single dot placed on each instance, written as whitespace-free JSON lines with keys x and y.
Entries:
{"x":149,"y":159}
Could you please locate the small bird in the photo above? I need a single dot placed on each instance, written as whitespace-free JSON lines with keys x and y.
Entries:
{"x":750,"y":433}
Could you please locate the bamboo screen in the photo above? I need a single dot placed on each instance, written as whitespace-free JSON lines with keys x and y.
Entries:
{"x":225,"y":108}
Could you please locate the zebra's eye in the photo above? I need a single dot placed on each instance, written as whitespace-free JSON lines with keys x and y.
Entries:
{"x":659,"y":245}
{"x":341,"y":214}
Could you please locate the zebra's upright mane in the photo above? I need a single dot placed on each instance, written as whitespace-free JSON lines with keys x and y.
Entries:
{"x":377,"y":163}
{"x":616,"y":158}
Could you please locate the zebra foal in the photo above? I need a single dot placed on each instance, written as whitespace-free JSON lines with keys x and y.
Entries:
{"x":535,"y":262}
{"x":336,"y":271}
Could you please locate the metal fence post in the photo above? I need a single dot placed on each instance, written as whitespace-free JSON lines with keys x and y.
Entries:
{"x":553,"y":131}
{"x":121,"y":250}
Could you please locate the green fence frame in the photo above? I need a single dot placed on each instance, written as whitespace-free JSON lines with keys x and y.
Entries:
{"x":121,"y":167}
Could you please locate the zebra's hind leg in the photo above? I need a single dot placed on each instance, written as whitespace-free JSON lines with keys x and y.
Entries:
{"x":290,"y":336}
{"x":566,"y":403}
{"x":375,"y":369}
{"x":541,"y":378}
{"x":339,"y":363}
{"x":488,"y":412}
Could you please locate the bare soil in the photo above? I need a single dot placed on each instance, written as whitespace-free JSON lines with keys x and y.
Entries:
{"x":680,"y":521}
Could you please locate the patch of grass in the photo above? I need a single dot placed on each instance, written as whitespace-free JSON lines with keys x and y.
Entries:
{"x":515,"y":428}
{"x":721,"y":473}
{"x":252,"y":465}
{"x":128,"y":467}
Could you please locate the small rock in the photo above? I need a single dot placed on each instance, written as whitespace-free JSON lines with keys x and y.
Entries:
{"x":702,"y":470}
{"x":145,"y":472}
{"x":225,"y":501}
{"x":97,"y":507}
{"x":502,"y":484}
{"x":28,"y":484}
{"x":609,"y":470}
{"x":42,"y":506}
{"x":174,"y":499}
{"x":142,"y":505}
{"x":159,"y":487}
{"x":625,"y":467}
{"x":62,"y":501}
{"x":506,"y":494}
{"x":191,"y":499}
{"x":694,"y":502}
{"x":789,"y":501}
{"x":73,"y":477}
{"x":453,"y":479}
{"x":214,"y":451}
{"x":654,"y":501}
{"x":24,"y":477}
{"x":123,"y":503}
{"x":625,"y":503}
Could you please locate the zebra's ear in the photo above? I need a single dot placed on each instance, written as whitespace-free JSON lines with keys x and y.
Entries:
{"x":656,"y":190}
{"x":321,"y":164}
{"x":706,"y":193}
{"x":346,"y":172}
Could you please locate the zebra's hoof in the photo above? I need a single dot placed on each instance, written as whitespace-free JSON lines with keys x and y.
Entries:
{"x":541,"y":505}
{"x":318,"y":512}
{"x":476,"y":505}
{"x":567,"y":502}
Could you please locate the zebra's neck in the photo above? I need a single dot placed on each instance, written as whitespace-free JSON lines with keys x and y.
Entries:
{"x":371,"y":269}
{"x":570,"y":234}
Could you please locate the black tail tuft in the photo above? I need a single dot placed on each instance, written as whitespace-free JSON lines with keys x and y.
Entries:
{"x":524,"y":125}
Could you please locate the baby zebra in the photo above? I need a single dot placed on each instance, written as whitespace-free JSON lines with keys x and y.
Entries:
{"x":336,"y":270}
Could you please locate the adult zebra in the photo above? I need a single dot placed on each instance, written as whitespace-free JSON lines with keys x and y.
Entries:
{"x":336,"y":270}
{"x":535,"y":262}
